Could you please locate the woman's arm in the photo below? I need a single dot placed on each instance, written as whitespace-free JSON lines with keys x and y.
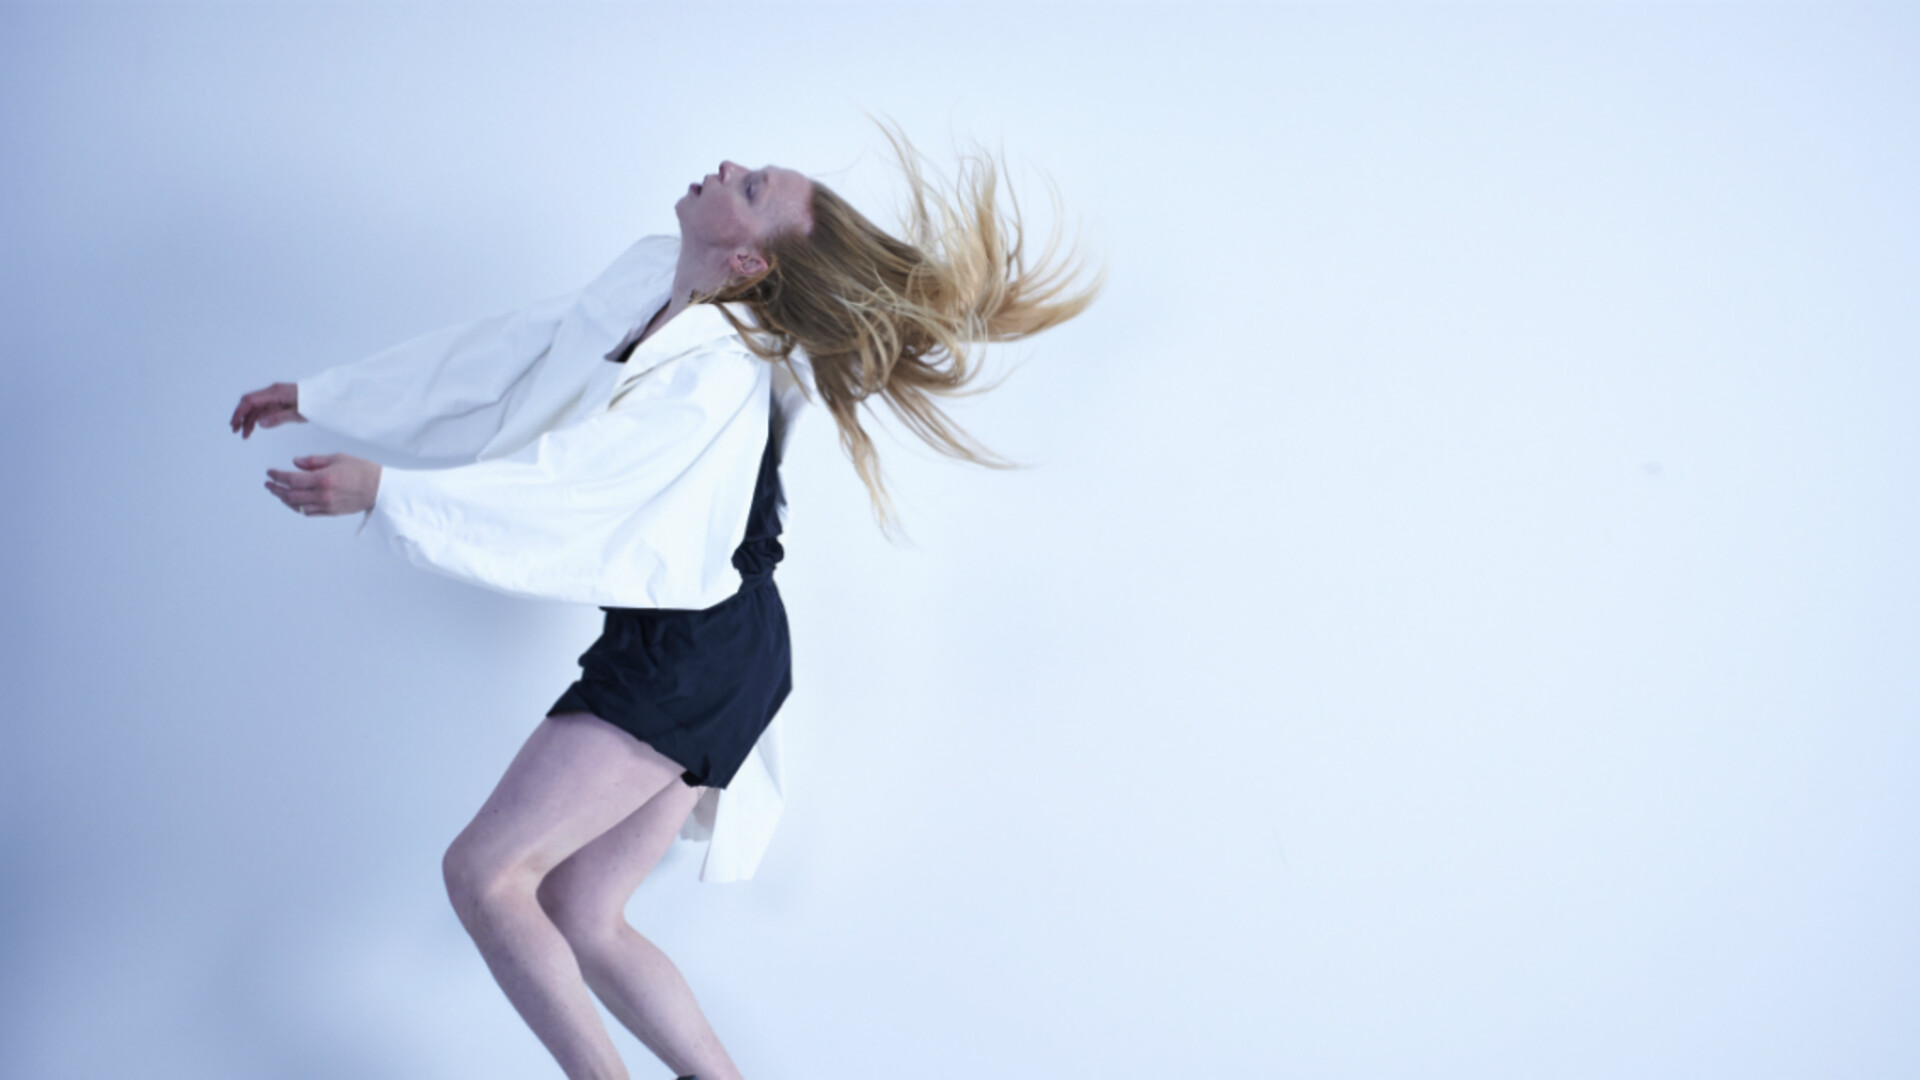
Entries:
{"x":441,"y":394}
{"x":638,"y":506}
{"x":447,"y":393}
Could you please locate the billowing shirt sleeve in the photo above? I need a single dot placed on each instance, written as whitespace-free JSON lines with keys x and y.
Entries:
{"x":638,"y":505}
{"x":441,"y":394}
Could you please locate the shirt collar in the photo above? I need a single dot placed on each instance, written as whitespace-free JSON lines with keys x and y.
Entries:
{"x":692,"y":328}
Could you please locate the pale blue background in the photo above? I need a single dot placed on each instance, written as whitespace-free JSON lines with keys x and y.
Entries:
{"x":1461,"y":621}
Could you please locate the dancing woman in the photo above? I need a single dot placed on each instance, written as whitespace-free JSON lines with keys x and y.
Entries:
{"x":621,"y":447}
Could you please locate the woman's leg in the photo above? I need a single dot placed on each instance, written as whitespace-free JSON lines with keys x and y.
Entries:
{"x":576,"y":777}
{"x":587,"y":897}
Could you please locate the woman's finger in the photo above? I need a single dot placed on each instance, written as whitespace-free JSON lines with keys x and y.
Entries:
{"x":244,"y":409}
{"x":304,"y":502}
{"x":302,"y":480}
{"x":247,"y":411}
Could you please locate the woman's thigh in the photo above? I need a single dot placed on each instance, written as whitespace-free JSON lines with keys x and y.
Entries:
{"x":574,"y":778}
{"x":592,"y":885}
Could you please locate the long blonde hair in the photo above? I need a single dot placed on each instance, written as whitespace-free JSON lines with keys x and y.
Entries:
{"x":895,"y":317}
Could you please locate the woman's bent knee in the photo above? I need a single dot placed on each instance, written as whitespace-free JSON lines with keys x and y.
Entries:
{"x":477,"y":885}
{"x":582,"y":916}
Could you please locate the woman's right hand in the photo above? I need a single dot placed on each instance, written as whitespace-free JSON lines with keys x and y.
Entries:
{"x":271,"y":407}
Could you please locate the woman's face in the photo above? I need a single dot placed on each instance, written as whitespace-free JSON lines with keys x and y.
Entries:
{"x":740,"y":209}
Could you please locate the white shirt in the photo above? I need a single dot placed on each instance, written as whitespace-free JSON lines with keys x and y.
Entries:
{"x":620,"y":485}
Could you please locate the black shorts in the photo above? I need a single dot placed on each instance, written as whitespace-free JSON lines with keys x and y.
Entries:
{"x":698,"y":686}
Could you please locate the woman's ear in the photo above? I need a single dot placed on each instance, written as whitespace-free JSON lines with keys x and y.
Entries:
{"x":746,"y":264}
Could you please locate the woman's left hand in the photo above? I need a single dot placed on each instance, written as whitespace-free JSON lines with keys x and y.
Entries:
{"x":327,"y":484}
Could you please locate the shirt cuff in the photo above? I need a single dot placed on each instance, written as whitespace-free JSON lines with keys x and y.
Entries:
{"x":305,"y":397}
{"x":318,"y":401}
{"x":396,"y":486}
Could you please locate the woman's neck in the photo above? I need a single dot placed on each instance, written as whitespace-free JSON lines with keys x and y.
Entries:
{"x":698,"y":271}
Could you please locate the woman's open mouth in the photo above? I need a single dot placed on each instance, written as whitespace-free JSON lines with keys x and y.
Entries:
{"x":693,"y":189}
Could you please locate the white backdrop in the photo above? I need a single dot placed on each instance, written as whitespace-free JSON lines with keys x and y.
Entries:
{"x":1460,"y":620}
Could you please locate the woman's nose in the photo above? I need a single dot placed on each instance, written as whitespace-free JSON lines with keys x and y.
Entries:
{"x":727,"y":169}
